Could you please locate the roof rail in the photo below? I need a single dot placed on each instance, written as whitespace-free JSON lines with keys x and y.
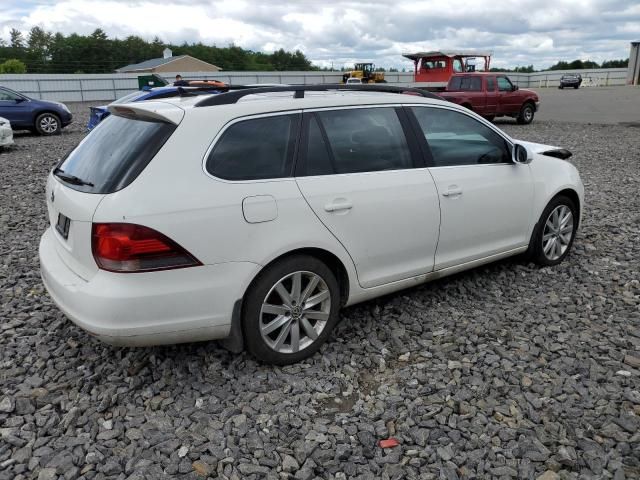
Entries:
{"x":236,"y":92}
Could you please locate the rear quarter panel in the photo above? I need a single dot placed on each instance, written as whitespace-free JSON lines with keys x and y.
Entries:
{"x":175,"y":196}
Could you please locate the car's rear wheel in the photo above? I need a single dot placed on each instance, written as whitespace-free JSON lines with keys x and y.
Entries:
{"x":555,"y":231}
{"x":290,"y":310}
{"x":48,"y":124}
{"x":526,"y":114}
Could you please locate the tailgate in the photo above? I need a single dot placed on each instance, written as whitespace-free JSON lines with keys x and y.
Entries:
{"x":70,"y":216}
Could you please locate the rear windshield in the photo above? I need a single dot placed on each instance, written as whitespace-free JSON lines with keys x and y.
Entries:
{"x":113,"y":154}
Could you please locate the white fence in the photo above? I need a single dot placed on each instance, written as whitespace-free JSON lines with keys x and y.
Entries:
{"x":99,"y":87}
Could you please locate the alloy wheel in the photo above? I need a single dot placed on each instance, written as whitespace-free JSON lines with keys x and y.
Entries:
{"x":557,"y":233}
{"x":295,"y":312}
{"x":48,"y":124}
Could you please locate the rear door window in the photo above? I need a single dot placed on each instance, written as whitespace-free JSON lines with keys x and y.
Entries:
{"x":466,"y":83}
{"x":114,"y":154}
{"x":355,"y":140}
{"x":491,"y":84}
{"x":255,"y":149}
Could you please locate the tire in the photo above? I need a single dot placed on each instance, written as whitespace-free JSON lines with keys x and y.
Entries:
{"x":542,"y":248}
{"x":560,"y":87}
{"x":527,"y":112}
{"x":269,"y":335}
{"x":576,"y":87}
{"x":48,"y":124}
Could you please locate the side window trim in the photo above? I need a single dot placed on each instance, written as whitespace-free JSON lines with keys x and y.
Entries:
{"x":417,"y":156}
{"x":303,"y":150}
{"x":296,"y":126}
{"x":325,"y":139}
{"x":419,"y":137}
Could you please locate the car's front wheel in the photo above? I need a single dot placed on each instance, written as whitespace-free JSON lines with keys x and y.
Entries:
{"x":555,"y":231}
{"x":48,"y":124}
{"x":526,"y":114}
{"x":290,"y":310}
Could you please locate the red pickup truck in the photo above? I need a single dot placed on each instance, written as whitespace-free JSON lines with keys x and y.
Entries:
{"x":492,"y":95}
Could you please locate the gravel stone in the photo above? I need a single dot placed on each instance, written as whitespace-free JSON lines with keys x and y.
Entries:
{"x":290,"y":464}
{"x":508,"y":370}
{"x":7,"y":405}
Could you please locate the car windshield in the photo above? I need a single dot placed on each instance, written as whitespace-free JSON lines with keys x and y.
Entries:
{"x":112,"y":156}
{"x":132,"y":97}
{"x":8,"y":94}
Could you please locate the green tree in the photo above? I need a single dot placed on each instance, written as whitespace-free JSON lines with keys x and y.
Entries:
{"x":16,"y":38}
{"x":615,"y":63}
{"x":13,"y":66}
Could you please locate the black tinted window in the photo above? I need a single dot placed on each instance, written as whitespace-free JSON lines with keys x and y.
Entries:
{"x":115,"y":153}
{"x":458,"y":139}
{"x":359,"y":140}
{"x":468,"y":83}
{"x":259,"y":148}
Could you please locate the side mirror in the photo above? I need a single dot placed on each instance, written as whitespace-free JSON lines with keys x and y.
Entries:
{"x":514,"y":88}
{"x":521,"y":154}
{"x":19,"y":100}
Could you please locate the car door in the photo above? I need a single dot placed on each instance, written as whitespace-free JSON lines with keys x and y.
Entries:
{"x":361,"y":176}
{"x":491,"y":95}
{"x":508,"y":98}
{"x":14,"y":108}
{"x":485,"y":198}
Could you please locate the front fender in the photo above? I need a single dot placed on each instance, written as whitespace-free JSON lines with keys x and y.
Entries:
{"x":552,"y":176}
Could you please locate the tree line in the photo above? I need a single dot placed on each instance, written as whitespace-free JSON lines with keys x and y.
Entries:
{"x":574,"y":65}
{"x":46,"y":52}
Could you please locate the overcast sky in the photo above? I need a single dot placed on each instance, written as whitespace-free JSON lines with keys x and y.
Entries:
{"x":519,"y":32}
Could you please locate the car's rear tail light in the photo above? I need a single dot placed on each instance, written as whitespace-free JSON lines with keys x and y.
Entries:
{"x":128,"y":248}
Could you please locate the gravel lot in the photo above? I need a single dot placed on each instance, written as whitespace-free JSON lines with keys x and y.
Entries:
{"x":507,"y":371}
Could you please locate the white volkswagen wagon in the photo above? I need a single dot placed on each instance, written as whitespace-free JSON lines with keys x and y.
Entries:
{"x":254,"y":215}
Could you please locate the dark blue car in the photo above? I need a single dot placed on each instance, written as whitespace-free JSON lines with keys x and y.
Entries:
{"x":100,"y":113}
{"x":25,"y":113}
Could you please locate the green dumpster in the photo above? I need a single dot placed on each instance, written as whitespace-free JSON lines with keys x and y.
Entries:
{"x":151,"y":81}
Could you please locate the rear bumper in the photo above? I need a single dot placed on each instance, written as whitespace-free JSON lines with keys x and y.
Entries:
{"x":142,"y":309}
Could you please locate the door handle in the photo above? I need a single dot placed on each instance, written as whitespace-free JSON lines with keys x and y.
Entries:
{"x":338,"y":205}
{"x":452,"y":191}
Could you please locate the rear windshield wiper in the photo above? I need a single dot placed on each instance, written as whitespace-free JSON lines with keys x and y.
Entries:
{"x":72,"y":179}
